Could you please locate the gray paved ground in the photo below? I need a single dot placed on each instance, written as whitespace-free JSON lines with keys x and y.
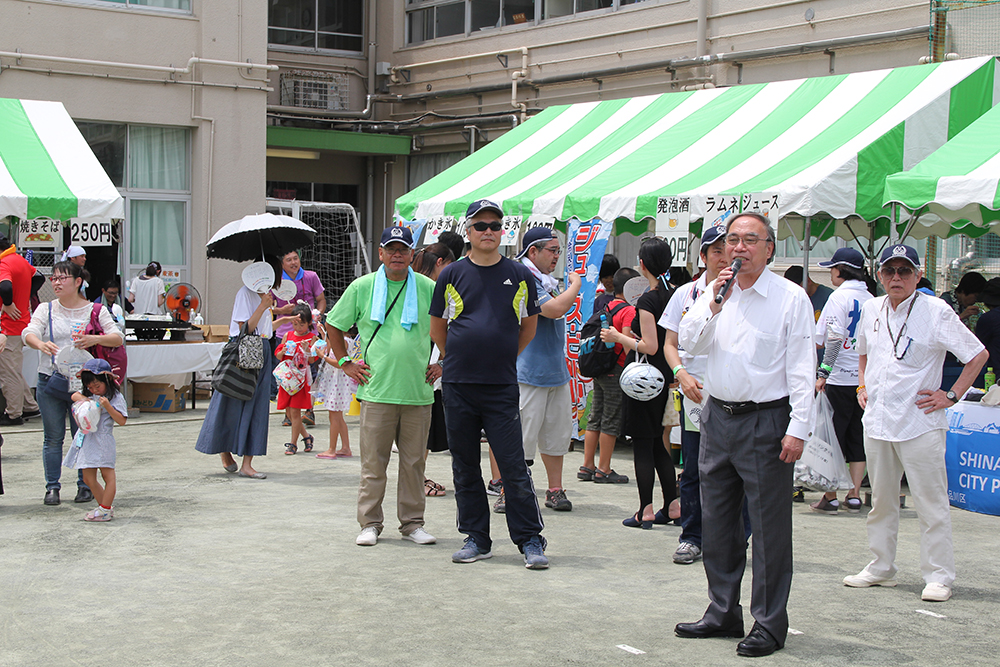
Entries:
{"x":203,"y":568}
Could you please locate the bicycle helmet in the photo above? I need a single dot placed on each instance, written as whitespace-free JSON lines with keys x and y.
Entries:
{"x":642,"y":381}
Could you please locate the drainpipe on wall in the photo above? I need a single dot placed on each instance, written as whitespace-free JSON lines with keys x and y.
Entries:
{"x":702,"y":44}
{"x":370,"y":206}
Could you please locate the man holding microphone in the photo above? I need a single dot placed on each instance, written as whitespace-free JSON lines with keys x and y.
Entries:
{"x":760,"y":377}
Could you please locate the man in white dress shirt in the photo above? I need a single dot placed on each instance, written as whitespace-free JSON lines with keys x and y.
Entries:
{"x":902,"y":344}
{"x":761,"y":365}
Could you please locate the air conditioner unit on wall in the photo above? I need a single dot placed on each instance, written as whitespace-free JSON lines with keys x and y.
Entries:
{"x":315,"y":90}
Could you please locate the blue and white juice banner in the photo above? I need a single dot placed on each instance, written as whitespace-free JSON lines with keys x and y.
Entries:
{"x":586,"y":242}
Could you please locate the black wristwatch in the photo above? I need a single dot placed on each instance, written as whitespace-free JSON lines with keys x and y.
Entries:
{"x":952,"y":396}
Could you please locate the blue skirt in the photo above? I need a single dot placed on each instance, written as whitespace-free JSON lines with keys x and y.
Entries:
{"x":238,"y":427}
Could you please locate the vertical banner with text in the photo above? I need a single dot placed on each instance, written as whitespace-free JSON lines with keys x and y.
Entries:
{"x":585,"y":246}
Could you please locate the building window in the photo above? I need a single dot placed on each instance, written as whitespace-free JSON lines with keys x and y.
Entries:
{"x":178,"y":5}
{"x":433,"y":19}
{"x":151,"y":166}
{"x":335,"y":25}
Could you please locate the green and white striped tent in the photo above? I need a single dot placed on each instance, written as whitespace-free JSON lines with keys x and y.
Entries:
{"x":47,"y":170}
{"x":957,"y":189}
{"x":824,"y":145}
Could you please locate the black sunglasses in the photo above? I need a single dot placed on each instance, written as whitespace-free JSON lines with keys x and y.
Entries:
{"x":496,"y":226}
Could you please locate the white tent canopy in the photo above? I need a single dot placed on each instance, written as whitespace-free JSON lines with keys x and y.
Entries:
{"x":47,"y":170}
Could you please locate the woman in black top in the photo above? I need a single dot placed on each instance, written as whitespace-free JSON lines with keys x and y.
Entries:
{"x":643,"y":420}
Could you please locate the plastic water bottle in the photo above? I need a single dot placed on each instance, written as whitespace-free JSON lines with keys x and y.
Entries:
{"x":606,"y":325}
{"x":990,"y":377}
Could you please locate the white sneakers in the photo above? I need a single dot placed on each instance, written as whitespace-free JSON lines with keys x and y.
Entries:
{"x":864,"y":579}
{"x":935,"y":592}
{"x":420,"y":536}
{"x":368,"y":537}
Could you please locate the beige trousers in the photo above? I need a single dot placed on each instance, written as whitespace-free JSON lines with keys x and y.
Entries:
{"x":381,"y":423}
{"x":15,"y":389}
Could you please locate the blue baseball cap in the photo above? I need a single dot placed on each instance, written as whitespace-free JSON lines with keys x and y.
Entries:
{"x":96,"y":366}
{"x":711,"y":235}
{"x":397,"y":235}
{"x":533,"y":236}
{"x":847,"y":256}
{"x":483,"y":205}
{"x":900,"y":251}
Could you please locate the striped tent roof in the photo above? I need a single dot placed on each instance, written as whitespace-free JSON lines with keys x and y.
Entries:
{"x":47,"y":170}
{"x":957,"y":189}
{"x":823,"y":144}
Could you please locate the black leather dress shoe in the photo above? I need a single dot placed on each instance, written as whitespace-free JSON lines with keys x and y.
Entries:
{"x":83,"y":495}
{"x":52,"y":497}
{"x":703,"y":630}
{"x":758,"y":643}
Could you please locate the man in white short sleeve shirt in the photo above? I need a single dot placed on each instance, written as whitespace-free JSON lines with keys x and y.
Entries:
{"x":902,"y":344}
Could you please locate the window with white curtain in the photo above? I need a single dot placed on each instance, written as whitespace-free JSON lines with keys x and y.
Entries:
{"x":151,"y":166}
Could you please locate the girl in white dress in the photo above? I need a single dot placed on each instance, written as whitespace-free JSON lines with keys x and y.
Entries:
{"x":339,"y":391}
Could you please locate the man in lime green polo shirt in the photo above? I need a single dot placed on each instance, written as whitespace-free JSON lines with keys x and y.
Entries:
{"x":390,"y":308}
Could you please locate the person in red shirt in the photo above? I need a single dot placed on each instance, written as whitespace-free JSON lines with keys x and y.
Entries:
{"x":604,"y":426}
{"x":18,"y":281}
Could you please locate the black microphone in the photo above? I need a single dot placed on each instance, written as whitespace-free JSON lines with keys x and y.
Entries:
{"x":737,"y":263}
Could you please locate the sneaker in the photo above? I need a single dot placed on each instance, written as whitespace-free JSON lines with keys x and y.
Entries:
{"x":420,"y":536}
{"x":500,"y":506}
{"x":558,"y":501}
{"x":286,"y":422}
{"x":824,"y":506}
{"x":101,"y":514}
{"x":798,"y":494}
{"x":864,"y":579}
{"x":30,"y":414}
{"x":7,"y":420}
{"x":308,"y":418}
{"x":534,"y":554}
{"x":368,"y":537}
{"x":494,"y":488}
{"x":585,"y":474}
{"x":935,"y":592}
{"x":610,"y":477}
{"x":470,"y":553}
{"x":853,"y":505}
{"x":687,"y":553}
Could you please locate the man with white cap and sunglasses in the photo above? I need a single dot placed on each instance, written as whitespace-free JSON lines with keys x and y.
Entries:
{"x":902,"y":343}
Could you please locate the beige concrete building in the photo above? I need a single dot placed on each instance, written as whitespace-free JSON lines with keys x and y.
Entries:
{"x":163,"y":92}
{"x":369,"y":98}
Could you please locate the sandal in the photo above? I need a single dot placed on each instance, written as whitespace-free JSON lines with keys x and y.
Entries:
{"x":433,"y":489}
{"x":308,"y":443}
{"x":635,"y":522}
{"x":585,"y":474}
{"x":853,"y":505}
{"x":291,"y":448}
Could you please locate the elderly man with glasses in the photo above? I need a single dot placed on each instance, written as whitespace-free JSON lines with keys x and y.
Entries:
{"x":759,"y":376}
{"x":902,"y":342}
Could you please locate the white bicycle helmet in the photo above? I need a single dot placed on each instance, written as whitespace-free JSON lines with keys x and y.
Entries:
{"x":641,"y":380}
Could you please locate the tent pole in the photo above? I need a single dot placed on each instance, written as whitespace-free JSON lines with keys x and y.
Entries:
{"x":807,"y":230}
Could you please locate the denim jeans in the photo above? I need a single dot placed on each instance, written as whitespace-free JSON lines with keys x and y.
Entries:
{"x":54,"y":412}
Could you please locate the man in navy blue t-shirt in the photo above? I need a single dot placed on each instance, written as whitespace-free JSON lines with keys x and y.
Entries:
{"x":483,"y":313}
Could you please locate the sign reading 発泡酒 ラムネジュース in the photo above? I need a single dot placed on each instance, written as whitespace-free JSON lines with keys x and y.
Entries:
{"x":972,"y":457}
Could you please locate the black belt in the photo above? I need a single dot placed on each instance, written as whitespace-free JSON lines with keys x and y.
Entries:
{"x":742,"y":408}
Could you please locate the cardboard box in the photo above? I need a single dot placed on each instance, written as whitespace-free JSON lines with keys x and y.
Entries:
{"x":157,"y":397}
{"x":215,"y":333}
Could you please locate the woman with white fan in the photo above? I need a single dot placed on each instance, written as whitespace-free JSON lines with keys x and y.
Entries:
{"x":235,"y":427}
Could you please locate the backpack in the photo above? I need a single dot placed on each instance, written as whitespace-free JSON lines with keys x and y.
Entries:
{"x":595,"y":357}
